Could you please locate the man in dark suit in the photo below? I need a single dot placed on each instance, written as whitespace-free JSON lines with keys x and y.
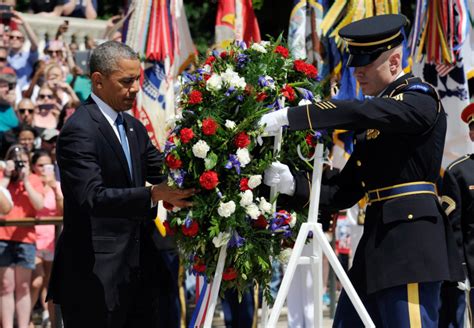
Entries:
{"x":107,"y":271}
{"x":408,"y":247}
{"x":458,"y":203}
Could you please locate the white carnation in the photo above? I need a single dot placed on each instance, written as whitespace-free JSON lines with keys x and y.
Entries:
{"x":293,"y":220}
{"x":221,"y":239}
{"x":246,"y":198}
{"x":243,"y":156}
{"x":226,"y":209}
{"x":253,"y":211}
{"x":200,"y":149}
{"x":259,"y":47}
{"x":214,"y":82}
{"x":265,"y":43}
{"x":265,"y":206}
{"x":255,"y":181}
{"x":233,"y":79}
{"x":230,"y":124}
{"x":284,"y":256}
{"x":207,"y":68}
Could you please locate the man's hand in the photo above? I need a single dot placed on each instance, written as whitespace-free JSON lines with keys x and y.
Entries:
{"x":177,"y":197}
{"x":274,"y":120}
{"x":278,"y":175}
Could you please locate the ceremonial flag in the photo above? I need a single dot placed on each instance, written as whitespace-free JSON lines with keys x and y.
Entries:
{"x":305,"y":30}
{"x":236,"y":20}
{"x":443,"y":66}
{"x":160,"y":32}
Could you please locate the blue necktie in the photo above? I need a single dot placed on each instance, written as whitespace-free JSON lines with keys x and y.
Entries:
{"x":124,"y":141}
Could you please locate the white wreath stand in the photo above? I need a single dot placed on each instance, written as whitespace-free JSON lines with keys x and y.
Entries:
{"x":319,"y":245}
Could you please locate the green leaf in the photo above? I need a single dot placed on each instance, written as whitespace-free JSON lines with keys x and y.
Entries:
{"x":211,"y":161}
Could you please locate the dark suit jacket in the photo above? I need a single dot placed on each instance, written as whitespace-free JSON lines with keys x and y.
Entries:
{"x":107,"y":213}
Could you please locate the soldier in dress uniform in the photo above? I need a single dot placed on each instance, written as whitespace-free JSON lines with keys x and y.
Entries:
{"x":408,"y":247}
{"x":458,"y":203}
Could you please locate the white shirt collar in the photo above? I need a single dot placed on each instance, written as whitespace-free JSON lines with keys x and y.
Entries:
{"x":107,"y":111}
{"x":398,"y":76}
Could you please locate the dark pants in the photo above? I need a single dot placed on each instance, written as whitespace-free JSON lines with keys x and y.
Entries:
{"x":149,"y":300}
{"x":238,"y":315}
{"x":453,"y":305}
{"x":414,"y":305}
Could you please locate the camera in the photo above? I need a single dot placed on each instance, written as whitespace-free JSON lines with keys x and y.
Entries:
{"x":19,"y":165}
{"x":5,"y":12}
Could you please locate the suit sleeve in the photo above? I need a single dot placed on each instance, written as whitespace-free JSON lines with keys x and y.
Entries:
{"x":155,"y":161}
{"x":81,"y":178}
{"x":452,"y":206}
{"x":409,"y":112}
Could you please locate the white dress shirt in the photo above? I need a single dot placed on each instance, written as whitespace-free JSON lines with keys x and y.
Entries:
{"x":108,"y":112}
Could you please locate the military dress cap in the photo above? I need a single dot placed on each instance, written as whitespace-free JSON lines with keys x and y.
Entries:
{"x":467,"y":114}
{"x":369,"y":37}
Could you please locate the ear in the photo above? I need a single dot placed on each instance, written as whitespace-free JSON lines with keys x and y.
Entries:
{"x":96,"y":79}
{"x":395,"y":61}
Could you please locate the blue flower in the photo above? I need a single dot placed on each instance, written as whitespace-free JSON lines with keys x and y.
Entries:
{"x":262,"y":81}
{"x":305,"y":93}
{"x":236,"y":241}
{"x":178,"y":176}
{"x":242,"y":60}
{"x":233,"y":162}
{"x":229,"y":91}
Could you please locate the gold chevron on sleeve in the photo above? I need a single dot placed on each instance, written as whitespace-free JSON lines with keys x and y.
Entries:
{"x":398,"y":97}
{"x":451,"y":204}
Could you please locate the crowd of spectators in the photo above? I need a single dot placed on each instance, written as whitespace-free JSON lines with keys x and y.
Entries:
{"x":39,"y":90}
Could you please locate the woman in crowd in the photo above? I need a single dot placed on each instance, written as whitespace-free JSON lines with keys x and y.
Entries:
{"x":17,"y":244}
{"x":55,"y":80}
{"x":27,"y":136}
{"x":48,"y":109}
{"x":43,"y":166}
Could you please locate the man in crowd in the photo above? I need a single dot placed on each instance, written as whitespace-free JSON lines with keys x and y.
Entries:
{"x":107,"y":271}
{"x":407,"y":248}
{"x":458,"y":203}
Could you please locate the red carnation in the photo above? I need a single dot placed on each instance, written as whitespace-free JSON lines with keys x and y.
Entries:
{"x":209,"y":126}
{"x":173,"y":162}
{"x":311,"y":71}
{"x":260,"y":223}
{"x":210,"y":60}
{"x":241,"y":140}
{"x":168,"y":206}
{"x":282,"y":51}
{"x":288,"y":92}
{"x":206,"y":77}
{"x":169,"y":231}
{"x":261,"y":96}
{"x":285,"y":216}
{"x":223,"y":54}
{"x":195,"y":97}
{"x":199,"y":265}
{"x":208,"y":180}
{"x":190,"y":231}
{"x":171,"y":138}
{"x":244,"y":184}
{"x":299,"y":65}
{"x":229,"y":274}
{"x":310,"y":140}
{"x":186,"y":134}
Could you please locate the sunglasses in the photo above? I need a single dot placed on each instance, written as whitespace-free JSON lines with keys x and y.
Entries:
{"x":45,"y":96}
{"x":23,"y":110}
{"x":3,"y":59}
{"x":17,"y":37}
{"x":55,"y":51}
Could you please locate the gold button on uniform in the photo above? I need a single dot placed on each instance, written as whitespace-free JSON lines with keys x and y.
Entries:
{"x":410,"y":216}
{"x":363,"y":184}
{"x":359,"y":163}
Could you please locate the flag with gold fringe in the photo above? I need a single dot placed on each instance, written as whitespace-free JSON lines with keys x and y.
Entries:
{"x":440,"y":31}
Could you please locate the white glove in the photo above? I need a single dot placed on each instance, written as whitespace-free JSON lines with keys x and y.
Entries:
{"x":274,"y":120}
{"x":278,"y":175}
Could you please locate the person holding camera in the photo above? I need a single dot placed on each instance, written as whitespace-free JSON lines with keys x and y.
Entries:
{"x":22,"y":61}
{"x":48,"y":110}
{"x":17,"y":244}
{"x":53,"y":206}
{"x":56,"y":81}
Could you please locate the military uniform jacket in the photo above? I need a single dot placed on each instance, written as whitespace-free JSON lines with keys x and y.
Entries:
{"x":458,"y":203}
{"x":399,"y":139}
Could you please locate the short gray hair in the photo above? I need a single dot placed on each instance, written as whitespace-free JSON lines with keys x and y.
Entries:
{"x":104,"y":58}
